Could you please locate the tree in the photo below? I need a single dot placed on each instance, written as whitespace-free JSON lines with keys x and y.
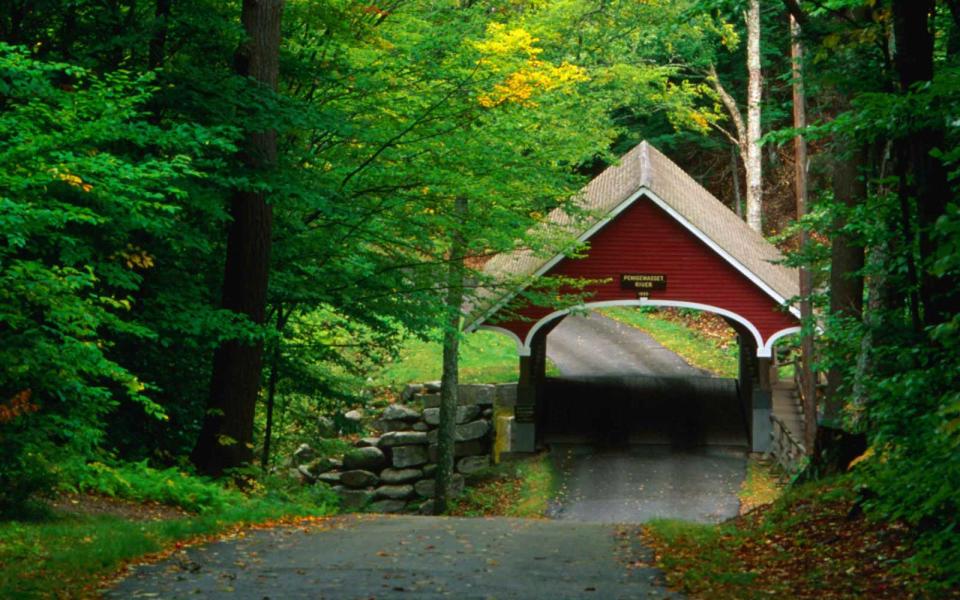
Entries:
{"x":754,"y":159}
{"x":226,"y":439}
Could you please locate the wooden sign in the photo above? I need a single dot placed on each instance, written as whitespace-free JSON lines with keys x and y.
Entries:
{"x":643,"y":282}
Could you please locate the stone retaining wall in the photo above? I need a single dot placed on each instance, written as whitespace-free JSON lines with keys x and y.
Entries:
{"x":393,"y":470}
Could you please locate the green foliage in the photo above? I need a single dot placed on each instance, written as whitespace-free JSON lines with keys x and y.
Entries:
{"x":140,"y":482}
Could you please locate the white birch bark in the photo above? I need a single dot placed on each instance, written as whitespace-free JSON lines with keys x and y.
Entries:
{"x":753,"y":164}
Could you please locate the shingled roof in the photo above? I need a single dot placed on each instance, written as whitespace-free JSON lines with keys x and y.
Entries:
{"x":646,"y":171}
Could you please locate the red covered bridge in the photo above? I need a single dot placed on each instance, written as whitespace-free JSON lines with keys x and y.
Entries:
{"x":654,"y":237}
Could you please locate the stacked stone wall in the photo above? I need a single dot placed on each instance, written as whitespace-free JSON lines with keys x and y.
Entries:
{"x":393,"y":470}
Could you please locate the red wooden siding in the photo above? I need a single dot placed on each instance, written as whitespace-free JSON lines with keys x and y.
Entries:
{"x":645,"y":239}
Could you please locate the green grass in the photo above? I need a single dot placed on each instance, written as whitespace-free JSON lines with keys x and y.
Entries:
{"x":68,"y":555}
{"x":518,"y":487}
{"x":55,"y":554}
{"x":485,"y":357}
{"x":691,"y":346}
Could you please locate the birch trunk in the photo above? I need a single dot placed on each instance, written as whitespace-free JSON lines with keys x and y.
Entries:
{"x":753,"y":166}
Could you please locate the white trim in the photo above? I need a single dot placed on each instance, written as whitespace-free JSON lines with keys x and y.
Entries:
{"x":641,"y":191}
{"x":763,"y":350}
{"x":516,"y":338}
{"x":723,"y":253}
{"x":768,"y":347}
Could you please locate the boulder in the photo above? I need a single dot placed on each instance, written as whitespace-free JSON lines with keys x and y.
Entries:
{"x":305,"y":475}
{"x":409,"y":456}
{"x":400,"y":412}
{"x":390,"y":475}
{"x":320,"y":465}
{"x":477,"y":393}
{"x":367,"y":441}
{"x":426,"y":508}
{"x":354,"y":416}
{"x":432,"y":387}
{"x":330,"y":478}
{"x":358,"y":478}
{"x":394,"y":492}
{"x":385,"y":426}
{"x":367,"y":459}
{"x":469,"y":465}
{"x":409,"y":392}
{"x":429,"y":470}
{"x":472,"y":430}
{"x":354,"y":499}
{"x":420,"y":426}
{"x":387,"y":506}
{"x":487,"y":413}
{"x":461,"y":449}
{"x":465,"y":432}
{"x":427,"y":488}
{"x":430,"y":400}
{"x":303,"y":454}
{"x":403,"y":438}
{"x":464,"y":414}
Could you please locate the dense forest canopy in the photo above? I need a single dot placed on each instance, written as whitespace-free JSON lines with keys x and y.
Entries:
{"x":211,"y":209}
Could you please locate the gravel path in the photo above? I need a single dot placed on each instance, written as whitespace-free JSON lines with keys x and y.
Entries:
{"x":410,"y":557}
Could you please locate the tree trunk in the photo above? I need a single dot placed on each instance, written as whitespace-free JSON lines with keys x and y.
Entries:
{"x":923,"y":178}
{"x":846,"y":266}
{"x":753,"y":162}
{"x":449,"y":381}
{"x":158,"y":41}
{"x":226,"y":439}
{"x":735,"y":173}
{"x":806,"y":280}
{"x":272,"y":388}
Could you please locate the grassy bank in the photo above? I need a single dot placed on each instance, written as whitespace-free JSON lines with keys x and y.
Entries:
{"x":519,"y":487}
{"x":119,"y":514}
{"x":485,"y":357}
{"x":814,"y":542}
{"x":697,"y":350}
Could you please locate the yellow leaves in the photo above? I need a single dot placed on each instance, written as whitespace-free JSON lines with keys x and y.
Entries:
{"x":71,"y":180}
{"x":536,"y":77}
{"x":533,"y":76}
{"x":138,"y":258}
{"x":729,"y":36}
{"x":502,"y":41}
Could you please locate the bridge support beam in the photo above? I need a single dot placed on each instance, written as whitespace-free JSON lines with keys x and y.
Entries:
{"x":533,"y":370}
{"x":762,"y":400}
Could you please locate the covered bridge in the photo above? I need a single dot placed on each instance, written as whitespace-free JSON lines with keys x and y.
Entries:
{"x":654,"y":237}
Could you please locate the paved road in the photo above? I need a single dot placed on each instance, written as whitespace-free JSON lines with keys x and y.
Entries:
{"x":640,"y":483}
{"x":687,"y":457}
{"x":410,"y":557}
{"x":594,"y":345}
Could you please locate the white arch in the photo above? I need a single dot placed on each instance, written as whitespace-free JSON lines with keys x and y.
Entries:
{"x":510,"y":334}
{"x":763,"y":350}
{"x":768,"y":347}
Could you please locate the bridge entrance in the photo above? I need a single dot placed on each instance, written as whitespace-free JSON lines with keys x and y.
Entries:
{"x":652,"y":237}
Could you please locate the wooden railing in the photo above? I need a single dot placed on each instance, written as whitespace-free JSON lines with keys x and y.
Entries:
{"x":786,"y":449}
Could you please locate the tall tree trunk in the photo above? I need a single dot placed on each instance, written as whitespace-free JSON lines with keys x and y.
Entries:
{"x":450,"y":380}
{"x":158,"y":41}
{"x":735,"y":173}
{"x":226,"y":439}
{"x":272,"y":387}
{"x":846,"y":266}
{"x":806,"y":280}
{"x":754,"y":163}
{"x":923,"y":178}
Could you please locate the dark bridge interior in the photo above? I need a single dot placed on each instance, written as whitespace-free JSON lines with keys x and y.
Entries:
{"x":683,"y":412}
